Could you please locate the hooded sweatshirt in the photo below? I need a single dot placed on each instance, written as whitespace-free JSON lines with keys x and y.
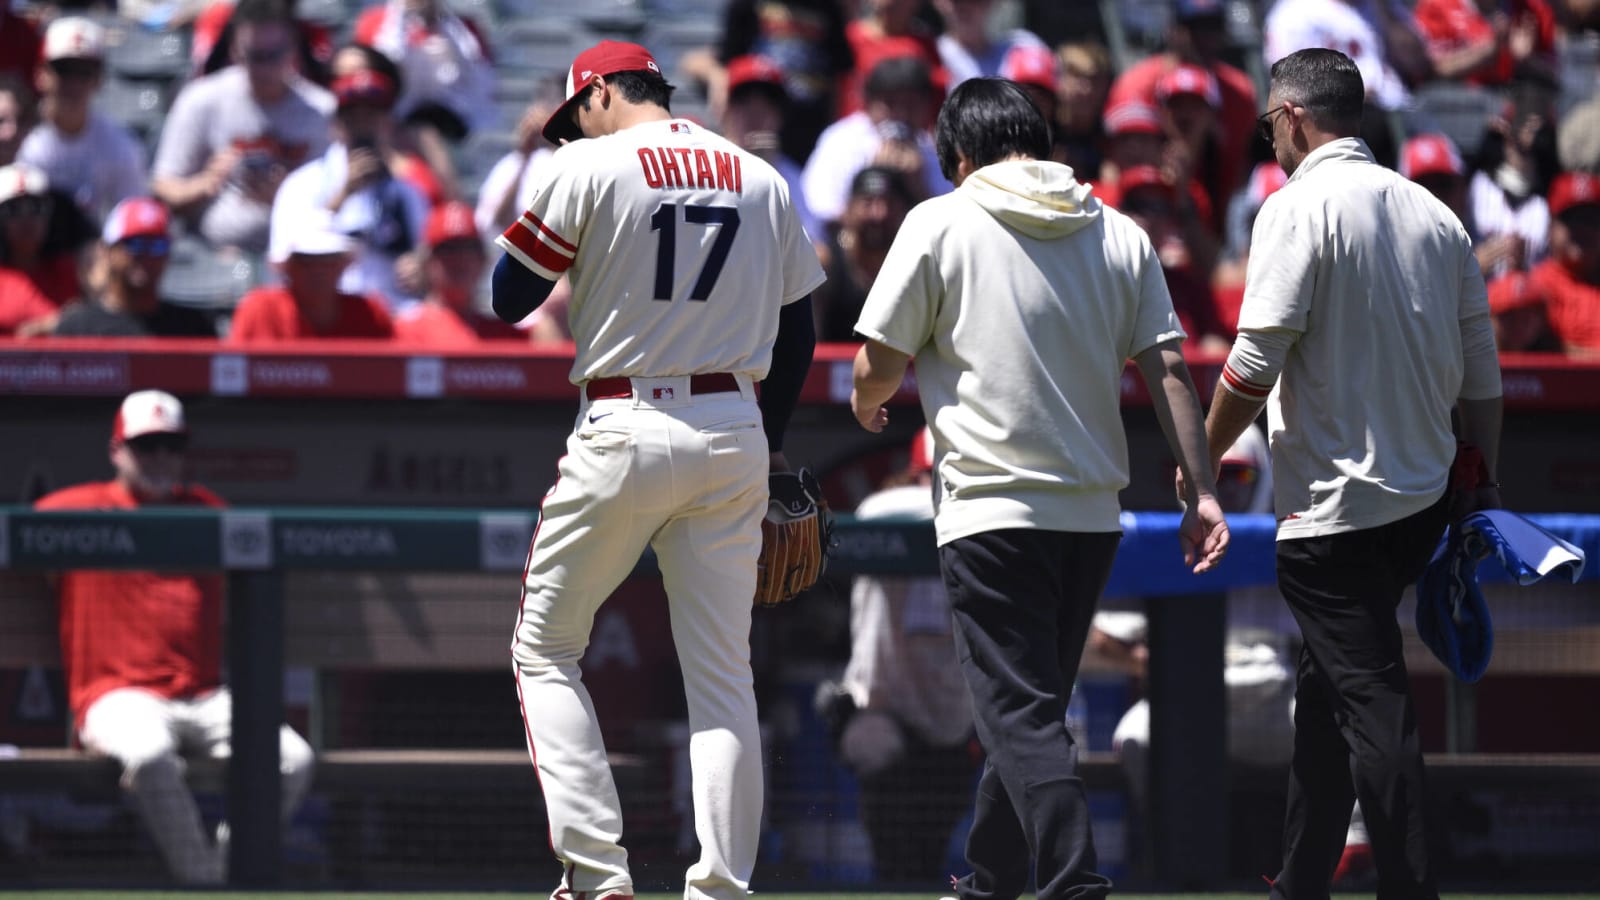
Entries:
{"x":1021,"y":298}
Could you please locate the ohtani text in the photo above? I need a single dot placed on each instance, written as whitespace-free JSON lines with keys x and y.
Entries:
{"x":691,"y":167}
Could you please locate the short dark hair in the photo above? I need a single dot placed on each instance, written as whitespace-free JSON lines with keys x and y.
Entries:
{"x":882,"y":181}
{"x":987,"y":120}
{"x":898,"y":73}
{"x":1325,"y":82}
{"x":641,"y":86}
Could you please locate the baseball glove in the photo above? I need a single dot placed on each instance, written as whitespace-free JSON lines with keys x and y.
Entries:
{"x":795,"y":537}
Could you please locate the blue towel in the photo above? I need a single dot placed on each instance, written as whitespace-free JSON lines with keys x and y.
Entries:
{"x":1452,"y":617}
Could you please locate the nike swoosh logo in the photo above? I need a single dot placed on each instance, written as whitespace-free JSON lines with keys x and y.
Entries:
{"x":595,"y":418}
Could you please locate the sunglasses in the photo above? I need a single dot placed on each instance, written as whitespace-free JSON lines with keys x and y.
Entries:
{"x":266,"y":56}
{"x":146,"y":246}
{"x":76,"y":68}
{"x":1264,"y":124}
{"x":155,"y":443}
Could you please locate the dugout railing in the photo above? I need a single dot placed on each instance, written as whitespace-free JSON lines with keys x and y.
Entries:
{"x":275,"y":557}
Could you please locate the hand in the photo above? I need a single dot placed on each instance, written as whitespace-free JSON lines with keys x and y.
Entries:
{"x":904,"y":156}
{"x":261,"y":183}
{"x":219,"y":169}
{"x":1203,"y":534}
{"x":410,"y":273}
{"x":365,"y":167}
{"x":1524,"y":38}
{"x":872,"y":418}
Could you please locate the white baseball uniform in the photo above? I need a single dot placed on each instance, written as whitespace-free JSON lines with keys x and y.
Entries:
{"x":680,"y":248}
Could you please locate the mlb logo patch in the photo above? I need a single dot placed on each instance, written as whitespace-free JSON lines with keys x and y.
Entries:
{"x":661,"y":393}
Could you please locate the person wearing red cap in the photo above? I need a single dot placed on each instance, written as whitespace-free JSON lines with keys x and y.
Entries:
{"x":888,"y":29}
{"x":1197,"y":36}
{"x":405,"y":163}
{"x":41,"y":232}
{"x":1365,"y":329}
{"x":900,"y":715}
{"x":143,"y":650}
{"x":1569,"y":281}
{"x":754,"y":117}
{"x":691,"y":281}
{"x":1521,"y":316}
{"x":1228,"y":278}
{"x":970,"y":48}
{"x":455,"y":264}
{"x":1145,"y":195}
{"x":126,"y":282}
{"x":383,"y":215}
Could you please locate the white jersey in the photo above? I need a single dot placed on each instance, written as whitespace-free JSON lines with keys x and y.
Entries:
{"x":646,"y":224}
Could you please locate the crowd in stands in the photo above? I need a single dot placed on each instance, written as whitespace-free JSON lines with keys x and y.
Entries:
{"x":330,"y":159}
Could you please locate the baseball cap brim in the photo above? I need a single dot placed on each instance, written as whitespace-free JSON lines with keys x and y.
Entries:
{"x":603,"y":59}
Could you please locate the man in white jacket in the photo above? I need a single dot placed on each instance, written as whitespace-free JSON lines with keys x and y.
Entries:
{"x":1022,"y":298}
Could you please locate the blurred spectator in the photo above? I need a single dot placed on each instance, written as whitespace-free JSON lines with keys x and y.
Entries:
{"x":231,"y":137}
{"x":969,"y":47}
{"x":455,"y":263}
{"x":887,"y":29}
{"x":309,"y":303}
{"x":81,"y":151}
{"x":902,"y":715}
{"x":448,"y":72}
{"x":1515,"y":163}
{"x":753,"y":118}
{"x":1034,"y":67}
{"x":806,"y":38}
{"x":1146,"y":197}
{"x":509,"y":187}
{"x":125,"y":282}
{"x":1339,"y":25}
{"x":879,"y":201}
{"x":19,"y":45}
{"x":889,"y":131}
{"x":1521,"y":317}
{"x":383,"y":214}
{"x":211,"y":44}
{"x":1082,"y":87}
{"x":1190,"y":99}
{"x":1577,"y":138}
{"x":24,"y":308}
{"x":1489,"y":42}
{"x":18,"y":114}
{"x":1197,"y":37}
{"x":1228,"y":277}
{"x":408,"y":166}
{"x":1569,"y":281}
{"x":41,"y":232}
{"x":1432,"y":161}
{"x":143,"y":650}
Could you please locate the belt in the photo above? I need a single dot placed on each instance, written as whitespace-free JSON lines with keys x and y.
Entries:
{"x":612,"y":388}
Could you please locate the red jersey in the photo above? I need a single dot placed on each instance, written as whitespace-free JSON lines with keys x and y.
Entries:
{"x":439,"y":327}
{"x":270,"y":314}
{"x":1573,"y":305}
{"x":1449,"y":25}
{"x":20,"y":301}
{"x":159,"y":631}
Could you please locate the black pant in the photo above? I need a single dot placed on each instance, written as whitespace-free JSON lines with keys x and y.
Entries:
{"x":910,"y":809}
{"x":1355,"y":729}
{"x":1022,"y":601}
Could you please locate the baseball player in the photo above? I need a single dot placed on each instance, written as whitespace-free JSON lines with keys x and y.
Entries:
{"x":691,"y":278}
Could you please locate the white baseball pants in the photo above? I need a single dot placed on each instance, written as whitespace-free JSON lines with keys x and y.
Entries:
{"x":150,"y":735}
{"x":688,"y":477}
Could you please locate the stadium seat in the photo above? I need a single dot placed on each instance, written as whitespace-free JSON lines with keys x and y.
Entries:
{"x":135,"y":52}
{"x":202,"y":276}
{"x":1460,"y":111}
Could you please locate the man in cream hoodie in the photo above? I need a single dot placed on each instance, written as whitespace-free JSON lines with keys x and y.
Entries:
{"x":1021,"y":297}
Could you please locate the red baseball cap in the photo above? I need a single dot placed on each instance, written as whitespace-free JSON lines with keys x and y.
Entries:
{"x":1132,"y":117}
{"x":147,"y":412}
{"x":1572,"y":189}
{"x":604,"y":58}
{"x":1265,"y":179}
{"x":134,"y":217}
{"x":450,"y":221}
{"x":1511,"y":292}
{"x":1030,"y":64}
{"x":754,"y":69}
{"x":364,"y":86}
{"x":1143,"y":177}
{"x":1430,"y":154}
{"x":1189,"y":79}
